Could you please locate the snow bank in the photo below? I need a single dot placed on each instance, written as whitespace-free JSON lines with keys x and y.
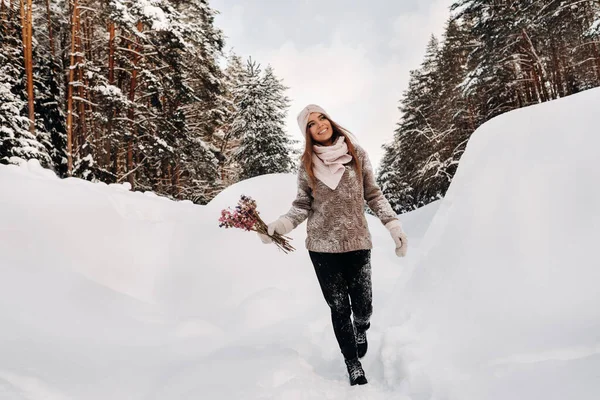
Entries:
{"x":105,"y":293}
{"x":505,"y":292}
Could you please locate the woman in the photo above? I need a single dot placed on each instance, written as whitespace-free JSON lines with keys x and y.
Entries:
{"x":334,"y":180}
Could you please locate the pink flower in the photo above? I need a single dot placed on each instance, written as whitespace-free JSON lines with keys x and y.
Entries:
{"x":246,"y":217}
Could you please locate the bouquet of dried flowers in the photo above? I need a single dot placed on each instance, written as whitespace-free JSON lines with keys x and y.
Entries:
{"x":245,"y":216}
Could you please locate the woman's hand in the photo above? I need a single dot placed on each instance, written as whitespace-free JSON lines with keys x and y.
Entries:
{"x":264,"y":238}
{"x":282,"y":225}
{"x":400,"y":239}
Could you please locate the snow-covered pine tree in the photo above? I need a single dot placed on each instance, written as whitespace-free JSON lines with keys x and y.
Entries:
{"x":400,"y":160}
{"x":526,"y":52}
{"x":17,"y":142}
{"x":431,"y":179}
{"x":265,"y":148}
{"x":495,"y":63}
{"x":180,"y":81}
{"x":234,"y":75}
{"x":285,"y":156}
{"x":417,"y":136}
{"x":142,"y":74}
{"x":454,"y":116}
{"x":116,"y":79}
{"x":496,"y":56}
{"x":569,"y":33}
{"x":389,"y":178}
{"x":79,"y":122}
{"x":50,"y":119}
{"x":205,"y":115}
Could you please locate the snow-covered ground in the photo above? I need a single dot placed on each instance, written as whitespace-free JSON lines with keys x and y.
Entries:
{"x":108,"y":294}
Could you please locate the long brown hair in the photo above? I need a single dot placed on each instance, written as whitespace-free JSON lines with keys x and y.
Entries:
{"x":308,"y":150}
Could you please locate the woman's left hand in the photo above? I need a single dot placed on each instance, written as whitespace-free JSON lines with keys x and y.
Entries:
{"x":400,"y":239}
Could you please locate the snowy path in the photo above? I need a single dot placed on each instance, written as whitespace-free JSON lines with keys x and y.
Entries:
{"x":145,"y":303}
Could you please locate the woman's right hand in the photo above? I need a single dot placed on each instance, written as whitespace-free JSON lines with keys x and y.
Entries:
{"x":266,"y":239}
{"x":282,"y":225}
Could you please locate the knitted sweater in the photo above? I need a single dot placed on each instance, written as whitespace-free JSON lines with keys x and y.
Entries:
{"x":336,"y":218}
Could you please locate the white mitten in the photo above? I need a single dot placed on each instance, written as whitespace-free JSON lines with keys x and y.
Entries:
{"x":399,"y":237}
{"x":265,"y":238}
{"x":282,"y":226}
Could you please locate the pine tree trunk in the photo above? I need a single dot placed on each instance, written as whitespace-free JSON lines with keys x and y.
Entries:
{"x":597,"y":60}
{"x":223,"y":150}
{"x":81,"y":88}
{"x":3,"y":16}
{"x":540,"y":80}
{"x":29,"y":17}
{"x":120,"y":160}
{"x":557,"y":72}
{"x":50,"y":35}
{"x":91,"y":130}
{"x":521,"y":89}
{"x":23,"y":32}
{"x":74,"y":16}
{"x":87,"y":42}
{"x":536,"y":85}
{"x":164,"y":183}
{"x":540,"y":85}
{"x":132,"y":88}
{"x":83,"y":131}
{"x":111,"y":81}
{"x":177,"y":176}
{"x":170,"y":178}
{"x":111,"y":53}
{"x":27,"y":30}
{"x":471,"y":115}
{"x":157,"y":186}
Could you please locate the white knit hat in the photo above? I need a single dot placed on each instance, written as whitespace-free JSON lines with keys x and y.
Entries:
{"x":311,"y":108}
{"x":306,"y":111}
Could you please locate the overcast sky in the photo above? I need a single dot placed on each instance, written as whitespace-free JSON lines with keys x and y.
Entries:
{"x":351,"y":57}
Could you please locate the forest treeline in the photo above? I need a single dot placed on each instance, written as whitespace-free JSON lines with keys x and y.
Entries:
{"x":140,"y":91}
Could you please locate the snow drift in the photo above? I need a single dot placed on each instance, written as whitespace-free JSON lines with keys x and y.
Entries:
{"x":505,"y":293}
{"x":106,"y":293}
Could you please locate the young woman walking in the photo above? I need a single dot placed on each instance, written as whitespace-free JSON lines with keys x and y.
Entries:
{"x":334,"y":180}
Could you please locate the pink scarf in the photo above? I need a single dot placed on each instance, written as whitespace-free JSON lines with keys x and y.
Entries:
{"x":328,"y":162}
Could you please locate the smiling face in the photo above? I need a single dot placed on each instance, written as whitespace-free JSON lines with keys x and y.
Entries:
{"x":320,"y":129}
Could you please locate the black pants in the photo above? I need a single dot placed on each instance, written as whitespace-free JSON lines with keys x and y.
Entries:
{"x":345,"y":280}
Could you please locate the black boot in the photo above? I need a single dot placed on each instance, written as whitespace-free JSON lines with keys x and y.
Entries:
{"x":355,"y":372}
{"x":361,"y":343}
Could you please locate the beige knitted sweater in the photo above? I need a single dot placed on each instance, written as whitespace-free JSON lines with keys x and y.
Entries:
{"x":336,"y":218}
